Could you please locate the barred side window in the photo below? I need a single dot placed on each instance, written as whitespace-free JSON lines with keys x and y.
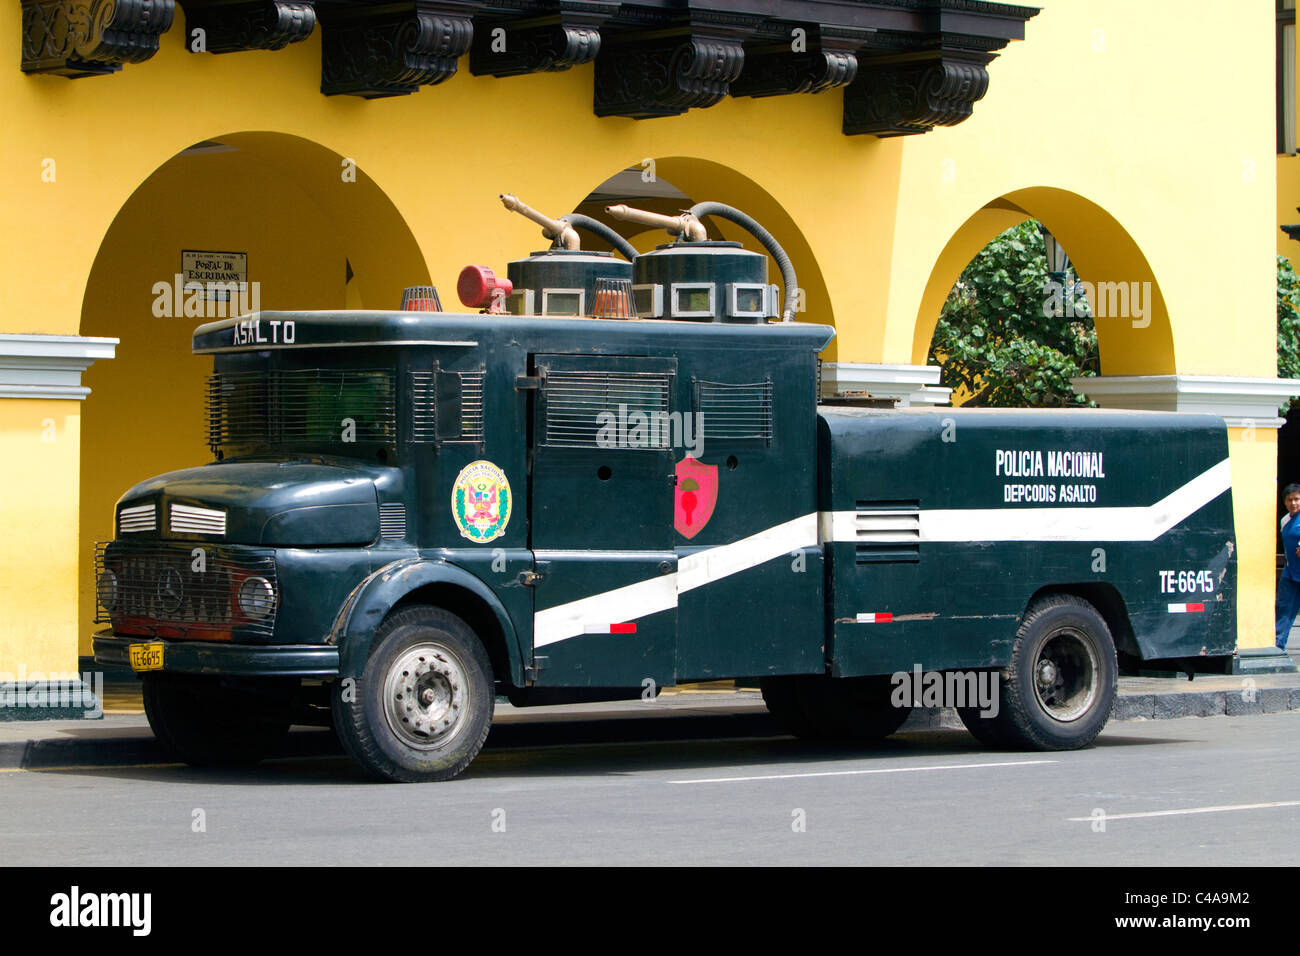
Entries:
{"x":735,"y":411}
{"x":446,"y":407}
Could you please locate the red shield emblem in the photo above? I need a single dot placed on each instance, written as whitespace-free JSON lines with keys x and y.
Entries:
{"x":695,"y":496}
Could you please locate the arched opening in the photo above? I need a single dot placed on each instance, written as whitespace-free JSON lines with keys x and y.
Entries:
{"x":672,"y":184}
{"x":1132,"y":321}
{"x":311,"y":231}
{"x":1016,"y":330}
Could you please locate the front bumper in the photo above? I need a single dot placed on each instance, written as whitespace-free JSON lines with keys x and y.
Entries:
{"x":243,"y":660}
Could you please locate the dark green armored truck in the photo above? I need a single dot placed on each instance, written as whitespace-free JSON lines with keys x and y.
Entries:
{"x":412,"y":512}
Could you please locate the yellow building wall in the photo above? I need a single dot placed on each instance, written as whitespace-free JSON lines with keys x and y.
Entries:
{"x":1079,"y":126}
{"x":40,"y":446}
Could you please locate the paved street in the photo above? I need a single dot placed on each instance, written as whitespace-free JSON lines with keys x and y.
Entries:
{"x":930,"y":797}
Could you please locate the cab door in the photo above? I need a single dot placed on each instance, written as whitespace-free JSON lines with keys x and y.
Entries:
{"x":601,"y":521}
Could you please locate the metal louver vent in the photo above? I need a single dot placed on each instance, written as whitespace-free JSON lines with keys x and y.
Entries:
{"x":447,"y":407}
{"x":576,"y":401}
{"x":888,"y":531}
{"x":138,"y":518}
{"x":188,"y":520}
{"x":392,"y":521}
{"x":735,"y":412}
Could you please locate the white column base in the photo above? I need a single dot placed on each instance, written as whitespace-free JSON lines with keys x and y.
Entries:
{"x":903,"y":385}
{"x":49,"y":366}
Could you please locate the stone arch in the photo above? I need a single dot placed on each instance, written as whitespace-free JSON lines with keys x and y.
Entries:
{"x":315,"y":239}
{"x":1101,"y":249}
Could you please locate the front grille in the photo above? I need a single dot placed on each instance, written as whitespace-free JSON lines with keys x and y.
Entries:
{"x":138,"y":518}
{"x":180,"y":591}
{"x":188,"y":520}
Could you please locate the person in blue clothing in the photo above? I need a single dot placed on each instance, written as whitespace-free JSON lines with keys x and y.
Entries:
{"x":1288,"y":585}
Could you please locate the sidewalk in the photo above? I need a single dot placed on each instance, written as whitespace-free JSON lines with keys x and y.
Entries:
{"x":123,"y":737}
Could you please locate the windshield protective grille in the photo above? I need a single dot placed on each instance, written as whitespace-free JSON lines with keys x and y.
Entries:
{"x":301,"y":407}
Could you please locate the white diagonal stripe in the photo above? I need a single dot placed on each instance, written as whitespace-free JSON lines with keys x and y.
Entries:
{"x":621,"y":604}
{"x":1138,"y":523}
{"x":647,"y":597}
{"x":714,"y":564}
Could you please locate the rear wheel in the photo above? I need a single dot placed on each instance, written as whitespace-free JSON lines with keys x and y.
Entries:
{"x":205,"y":724}
{"x":815,"y":705}
{"x":1059,"y":689}
{"x":785,"y":702}
{"x":860,"y":708}
{"x":983,"y":729}
{"x":422,"y":707}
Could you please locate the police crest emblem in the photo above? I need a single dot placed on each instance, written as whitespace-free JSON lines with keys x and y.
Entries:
{"x":480,"y":501}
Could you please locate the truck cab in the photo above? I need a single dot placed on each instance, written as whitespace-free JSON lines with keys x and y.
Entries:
{"x":560,"y":485}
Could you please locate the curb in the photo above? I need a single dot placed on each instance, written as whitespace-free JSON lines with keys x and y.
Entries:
{"x":692,"y":722}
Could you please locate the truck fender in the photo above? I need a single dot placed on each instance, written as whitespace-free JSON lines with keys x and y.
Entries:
{"x":369,"y":603}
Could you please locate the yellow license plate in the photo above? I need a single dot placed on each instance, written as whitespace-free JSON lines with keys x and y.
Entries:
{"x":146,"y":657}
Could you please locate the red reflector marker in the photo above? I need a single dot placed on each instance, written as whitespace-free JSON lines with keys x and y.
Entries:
{"x":625,"y":628}
{"x":879,"y":617}
{"x":1186,"y":608}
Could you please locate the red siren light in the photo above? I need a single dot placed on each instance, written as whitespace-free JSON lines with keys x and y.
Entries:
{"x":481,"y":288}
{"x":421,"y":298}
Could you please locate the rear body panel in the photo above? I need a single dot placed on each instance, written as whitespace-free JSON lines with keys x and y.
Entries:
{"x":942,"y":524}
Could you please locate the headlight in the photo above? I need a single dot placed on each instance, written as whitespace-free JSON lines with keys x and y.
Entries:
{"x":106,"y":590}
{"x":256,"y":598}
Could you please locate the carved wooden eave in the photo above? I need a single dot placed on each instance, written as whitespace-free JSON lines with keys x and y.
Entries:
{"x":902,"y":66}
{"x":688,"y":62}
{"x":539,"y":38}
{"x":77,"y":38}
{"x":230,"y":26}
{"x":389,"y":49}
{"x":814,"y":59}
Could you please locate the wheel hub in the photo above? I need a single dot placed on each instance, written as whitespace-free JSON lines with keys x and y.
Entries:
{"x":1066,"y":675}
{"x":425,"y":696}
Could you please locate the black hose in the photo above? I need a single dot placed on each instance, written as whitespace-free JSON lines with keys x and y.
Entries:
{"x":579,"y":221}
{"x":700,"y":210}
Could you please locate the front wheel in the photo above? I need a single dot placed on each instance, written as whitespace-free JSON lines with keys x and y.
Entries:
{"x":1059,"y":689}
{"x":422,"y":708}
{"x":205,"y":724}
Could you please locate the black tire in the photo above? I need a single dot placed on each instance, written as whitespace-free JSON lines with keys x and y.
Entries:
{"x":1059,"y":689}
{"x":785,"y":701}
{"x":857,"y":708}
{"x":205,"y":725}
{"x":983,"y":729}
{"x":422,"y":708}
{"x":846,"y":708}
